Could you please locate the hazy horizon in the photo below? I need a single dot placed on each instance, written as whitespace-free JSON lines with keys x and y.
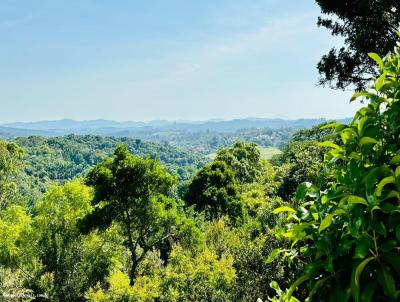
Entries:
{"x":215,"y":119}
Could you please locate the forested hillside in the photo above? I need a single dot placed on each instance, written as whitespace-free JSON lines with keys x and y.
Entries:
{"x":59,"y":159}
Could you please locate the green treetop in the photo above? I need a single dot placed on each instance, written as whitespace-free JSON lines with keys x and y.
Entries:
{"x":131,"y":191}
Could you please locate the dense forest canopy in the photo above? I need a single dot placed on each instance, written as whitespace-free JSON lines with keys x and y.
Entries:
{"x":115,"y":218}
{"x":59,"y":159}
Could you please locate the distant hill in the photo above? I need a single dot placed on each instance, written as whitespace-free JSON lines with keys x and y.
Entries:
{"x":10,"y":132}
{"x":69,"y":124}
{"x":107,"y":127}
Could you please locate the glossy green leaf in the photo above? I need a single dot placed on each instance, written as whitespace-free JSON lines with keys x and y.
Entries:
{"x":380,"y":82}
{"x":361,"y":123}
{"x":357,"y":199}
{"x":347,"y":135}
{"x":376,"y":58}
{"x":397,"y":172}
{"x":275,"y":286}
{"x":302,"y":190}
{"x":330,"y":125}
{"x":398,"y":233}
{"x":393,"y":194}
{"x":274,"y":253}
{"x":367,"y":140}
{"x":360,"y":94}
{"x":395,"y":160}
{"x":387,"y":281}
{"x":383,"y":183}
{"x":374,"y":175}
{"x":355,"y":155}
{"x":329,"y":145}
{"x":326,"y":222}
{"x":283,"y":209}
{"x":360,"y":269}
{"x":295,"y":285}
{"x":362,"y":247}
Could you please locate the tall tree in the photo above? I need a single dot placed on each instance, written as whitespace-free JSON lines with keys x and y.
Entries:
{"x":366,"y":26}
{"x":243,"y":159}
{"x":130,"y":190}
{"x":214,"y":190}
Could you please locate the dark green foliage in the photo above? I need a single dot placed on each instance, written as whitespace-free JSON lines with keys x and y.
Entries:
{"x":348,"y":228}
{"x":365,"y":25}
{"x":215,"y":191}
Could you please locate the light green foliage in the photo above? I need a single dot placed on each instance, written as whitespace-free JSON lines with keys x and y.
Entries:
{"x":348,"y":228}
{"x":70,"y":262}
{"x":250,"y":246}
{"x":15,"y":237}
{"x":12,"y":285}
{"x":10,"y":163}
{"x":187,"y":277}
{"x":145,"y":289}
{"x":268,"y":152}
{"x":265,"y":187}
{"x":243,"y":159}
{"x":203,"y":277}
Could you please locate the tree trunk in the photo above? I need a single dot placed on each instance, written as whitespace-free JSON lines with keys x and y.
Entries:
{"x":132,"y":273}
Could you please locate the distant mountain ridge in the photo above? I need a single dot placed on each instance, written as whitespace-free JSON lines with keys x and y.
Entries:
{"x":108,"y":127}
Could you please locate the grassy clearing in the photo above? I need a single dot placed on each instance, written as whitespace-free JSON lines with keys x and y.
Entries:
{"x":268,"y":152}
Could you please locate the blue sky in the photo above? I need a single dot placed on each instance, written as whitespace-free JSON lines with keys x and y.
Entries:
{"x":146,"y":59}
